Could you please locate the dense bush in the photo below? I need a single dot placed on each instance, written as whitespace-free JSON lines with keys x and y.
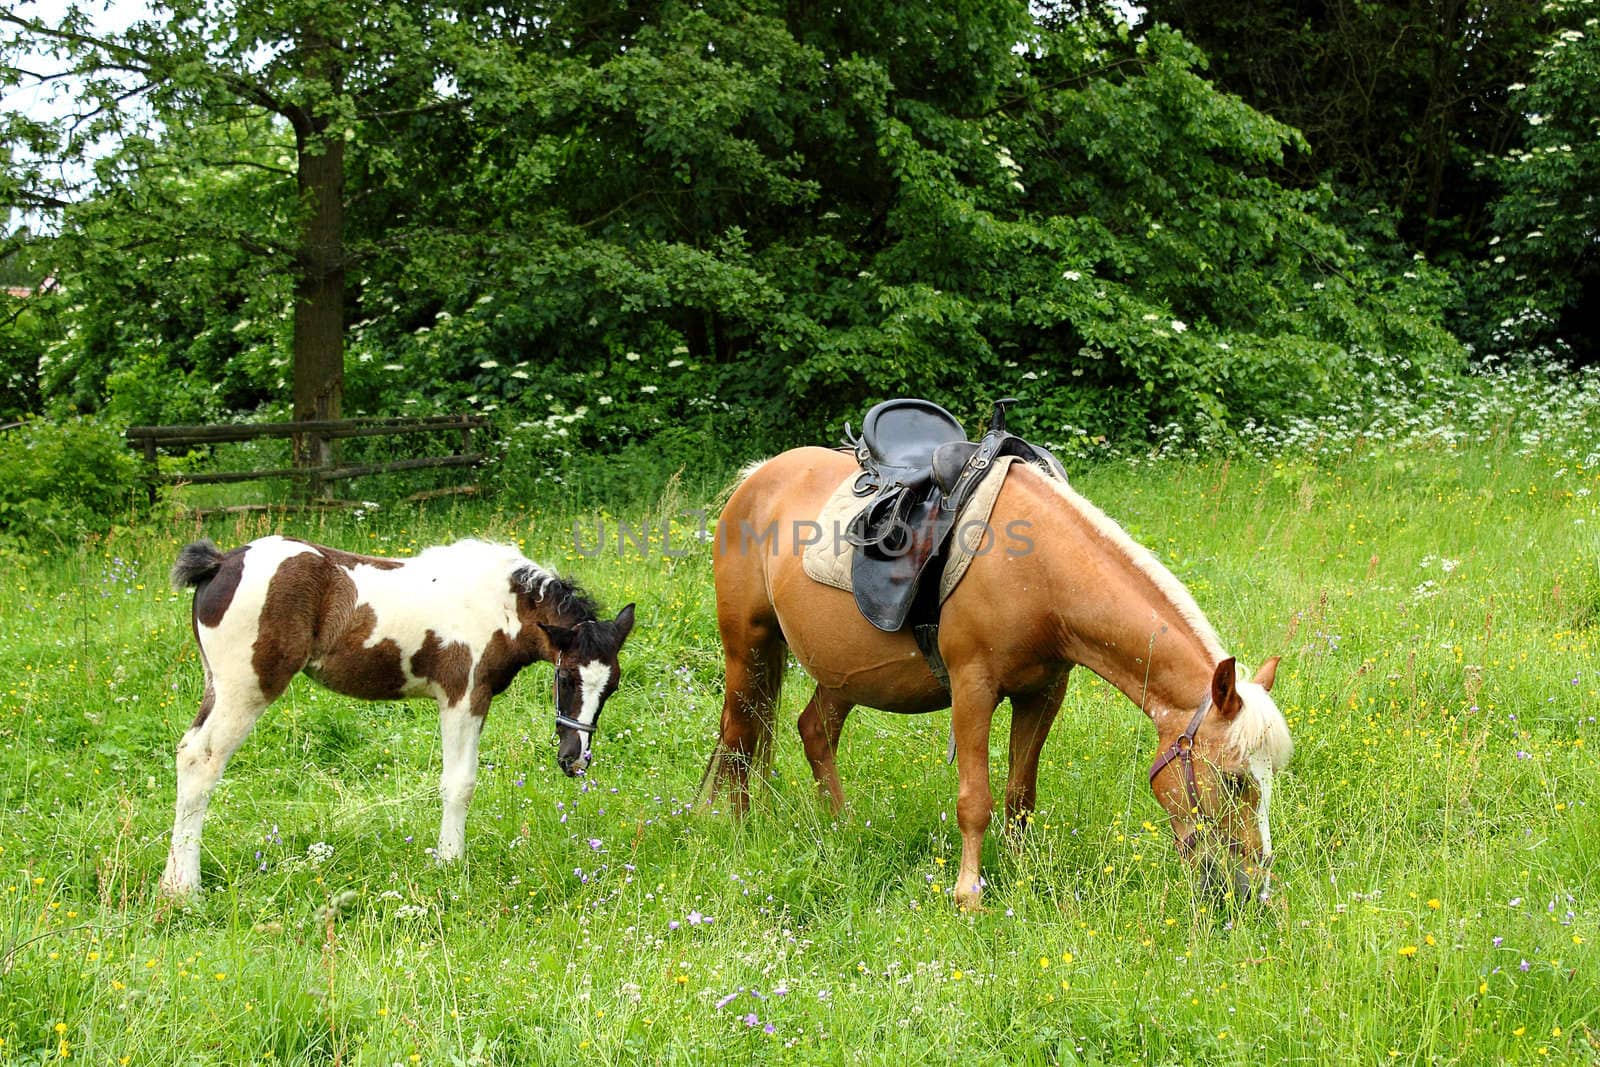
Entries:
{"x":60,"y":479}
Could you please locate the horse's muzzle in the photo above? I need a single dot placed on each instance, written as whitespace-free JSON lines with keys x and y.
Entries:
{"x":1234,"y":880}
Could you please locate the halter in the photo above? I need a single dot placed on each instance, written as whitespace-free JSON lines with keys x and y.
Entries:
{"x":1182,"y":750}
{"x":555,"y":700}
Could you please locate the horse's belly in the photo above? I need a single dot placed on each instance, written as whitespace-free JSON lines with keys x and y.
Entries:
{"x":845,"y":653}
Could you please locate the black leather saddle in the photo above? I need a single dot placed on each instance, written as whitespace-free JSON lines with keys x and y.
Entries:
{"x":920,"y":471}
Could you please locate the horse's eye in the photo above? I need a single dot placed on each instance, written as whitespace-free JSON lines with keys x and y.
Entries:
{"x":1237,"y":786}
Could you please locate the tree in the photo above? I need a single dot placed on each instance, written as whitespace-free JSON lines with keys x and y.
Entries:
{"x":1543,"y":262}
{"x":321,"y":75}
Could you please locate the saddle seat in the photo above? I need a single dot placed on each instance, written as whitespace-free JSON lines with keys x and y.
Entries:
{"x":920,"y":471}
{"x":904,"y":434}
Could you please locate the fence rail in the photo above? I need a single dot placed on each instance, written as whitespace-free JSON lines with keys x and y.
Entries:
{"x":311,"y":438}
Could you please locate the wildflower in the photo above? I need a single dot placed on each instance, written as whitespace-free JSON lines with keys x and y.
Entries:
{"x":1409,"y":950}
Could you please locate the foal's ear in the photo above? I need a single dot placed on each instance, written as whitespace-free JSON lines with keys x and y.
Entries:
{"x":1224,"y":691}
{"x":624,"y":624}
{"x":1267,"y":674}
{"x":560,"y":636}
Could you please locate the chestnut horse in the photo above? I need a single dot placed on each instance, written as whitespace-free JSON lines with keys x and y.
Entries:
{"x":1066,"y":587}
{"x":455,"y":622}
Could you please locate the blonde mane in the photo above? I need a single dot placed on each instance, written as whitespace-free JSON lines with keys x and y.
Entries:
{"x":1146,"y":563}
{"x":1260,"y":730}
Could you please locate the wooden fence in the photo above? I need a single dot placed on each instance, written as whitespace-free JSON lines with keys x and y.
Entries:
{"x":313,"y":440}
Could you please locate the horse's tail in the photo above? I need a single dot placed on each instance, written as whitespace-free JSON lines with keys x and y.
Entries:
{"x":198,"y":562}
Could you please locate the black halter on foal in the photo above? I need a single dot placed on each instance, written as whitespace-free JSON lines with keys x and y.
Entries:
{"x":1182,"y":750}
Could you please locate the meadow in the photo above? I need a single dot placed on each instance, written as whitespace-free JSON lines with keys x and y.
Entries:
{"x":1429,"y":573}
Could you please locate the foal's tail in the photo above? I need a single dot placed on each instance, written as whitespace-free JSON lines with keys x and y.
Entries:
{"x":198,"y":562}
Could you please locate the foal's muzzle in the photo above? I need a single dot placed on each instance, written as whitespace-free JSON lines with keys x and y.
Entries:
{"x":573,"y":755}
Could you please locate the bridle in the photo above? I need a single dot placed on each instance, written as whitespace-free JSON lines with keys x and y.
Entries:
{"x":555,"y":699}
{"x":1182,"y":750}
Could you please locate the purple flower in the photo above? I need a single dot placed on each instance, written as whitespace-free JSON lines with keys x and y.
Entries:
{"x":1498,"y":941}
{"x":752,"y":1020}
{"x":1523,"y":966}
{"x":695,"y":918}
{"x":595,"y":843}
{"x":729,"y":999}
{"x":769,"y":1029}
{"x":672,"y":925}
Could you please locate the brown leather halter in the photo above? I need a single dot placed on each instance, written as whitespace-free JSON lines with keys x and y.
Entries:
{"x":1182,"y":750}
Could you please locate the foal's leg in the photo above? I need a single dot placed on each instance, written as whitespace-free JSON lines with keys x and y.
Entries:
{"x":971,"y":714}
{"x":820,"y":725}
{"x":228,"y":710}
{"x":460,"y":726}
{"x":1031,"y":717}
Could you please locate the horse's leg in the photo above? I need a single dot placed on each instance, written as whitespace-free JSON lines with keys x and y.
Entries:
{"x":230,"y":707}
{"x":460,"y":727}
{"x":820,"y":725}
{"x":753,"y":658}
{"x":1031,"y":717}
{"x":971,"y":714}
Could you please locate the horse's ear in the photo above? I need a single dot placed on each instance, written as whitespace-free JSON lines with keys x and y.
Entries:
{"x":1224,"y":690}
{"x":1267,"y":674}
{"x":624,"y":624}
{"x":560,"y":636}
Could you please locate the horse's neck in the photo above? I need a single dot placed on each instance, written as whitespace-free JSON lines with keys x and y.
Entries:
{"x":1124,"y":615}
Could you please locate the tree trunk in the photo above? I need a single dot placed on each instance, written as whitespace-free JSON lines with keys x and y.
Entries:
{"x":319,"y":284}
{"x":319,"y":289}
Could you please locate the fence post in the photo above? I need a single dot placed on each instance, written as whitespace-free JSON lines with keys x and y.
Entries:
{"x":154,"y":474}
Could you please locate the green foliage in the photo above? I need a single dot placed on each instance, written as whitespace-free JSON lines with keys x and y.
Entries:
{"x":1542,"y":267}
{"x":59,"y":480}
{"x":741,"y":212}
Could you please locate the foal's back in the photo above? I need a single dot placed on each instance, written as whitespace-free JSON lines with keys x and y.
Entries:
{"x":361,"y":625}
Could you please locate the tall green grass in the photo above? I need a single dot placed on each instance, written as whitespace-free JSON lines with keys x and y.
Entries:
{"x":1436,"y":599}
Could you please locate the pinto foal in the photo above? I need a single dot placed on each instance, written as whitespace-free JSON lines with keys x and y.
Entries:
{"x":456,"y":622}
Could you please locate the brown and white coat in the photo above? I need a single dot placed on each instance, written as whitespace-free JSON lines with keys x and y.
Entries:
{"x":456,"y":622}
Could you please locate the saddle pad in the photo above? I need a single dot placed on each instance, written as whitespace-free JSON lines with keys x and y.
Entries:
{"x":828,"y":560}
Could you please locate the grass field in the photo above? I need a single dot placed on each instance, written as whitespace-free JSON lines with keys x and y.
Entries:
{"x":1431,"y":579}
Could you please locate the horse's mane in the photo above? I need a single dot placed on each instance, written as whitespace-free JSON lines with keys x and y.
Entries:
{"x":1259,"y":728}
{"x":565,"y":597}
{"x":1145,"y":562}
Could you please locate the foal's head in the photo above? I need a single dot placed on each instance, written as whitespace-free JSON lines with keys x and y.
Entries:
{"x":1214,"y":777}
{"x":585,"y":655}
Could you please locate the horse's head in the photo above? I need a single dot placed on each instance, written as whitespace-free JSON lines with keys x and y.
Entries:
{"x":1214,"y":777}
{"x":586,"y":674}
